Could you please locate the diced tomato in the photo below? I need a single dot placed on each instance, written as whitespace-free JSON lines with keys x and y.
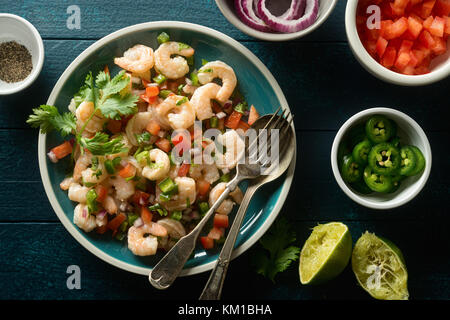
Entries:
{"x":437,"y":27}
{"x":125,"y":120}
{"x":203,"y":187}
{"x":216,"y":233}
{"x":116,"y":221}
{"x":128,"y":171}
{"x":243,"y":126}
{"x":63,"y":150}
{"x":405,"y":46}
{"x":389,"y":56}
{"x":253,"y":115}
{"x":140,"y":198}
{"x":402,"y":60}
{"x":151,"y":91}
{"x":153,"y":127}
{"x":399,"y":6}
{"x":396,"y":29}
{"x":442,"y":8}
{"x":381,"y":46}
{"x":426,"y":39}
{"x":371,"y":47}
{"x":440,"y":46}
{"x":384,"y":24}
{"x":102,"y":192}
{"x":421,"y":70}
{"x":102,"y":229}
{"x":148,"y":99}
{"x":414,"y":27}
{"x":408,"y":70}
{"x":233,"y":119}
{"x":184,"y":169}
{"x":220,"y":221}
{"x":207,"y":242}
{"x":372,"y":34}
{"x":428,"y":22}
{"x":163,"y":144}
{"x":146,"y":215}
{"x":424,"y":9}
{"x":145,"y":82}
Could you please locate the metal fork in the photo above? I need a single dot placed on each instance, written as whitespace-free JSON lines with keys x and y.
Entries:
{"x":170,"y":266}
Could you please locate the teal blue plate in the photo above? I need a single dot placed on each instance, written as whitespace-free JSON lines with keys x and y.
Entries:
{"x":254,"y":80}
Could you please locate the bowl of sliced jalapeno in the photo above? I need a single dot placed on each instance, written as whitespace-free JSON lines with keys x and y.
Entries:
{"x":381,"y":158}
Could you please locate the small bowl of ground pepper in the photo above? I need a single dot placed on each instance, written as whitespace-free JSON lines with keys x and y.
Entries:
{"x":21,"y":53}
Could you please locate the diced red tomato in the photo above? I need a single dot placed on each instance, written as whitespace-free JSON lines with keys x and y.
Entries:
{"x":437,"y":27}
{"x":389,"y":56}
{"x":184,"y":169}
{"x":146,"y":215}
{"x":203,"y":187}
{"x":405,"y":46}
{"x":153,"y":127}
{"x":442,"y":8}
{"x":396,"y":29}
{"x":233,"y":119}
{"x":428,"y":22}
{"x":440,"y":46}
{"x":244,"y":126}
{"x":414,"y":27}
{"x":151,"y":91}
{"x":148,"y":99}
{"x":253,"y":115}
{"x":116,"y":221}
{"x":399,"y":6}
{"x":140,"y":198}
{"x":381,"y":46}
{"x":128,"y":171}
{"x":402,"y":60}
{"x":102,"y":229}
{"x":63,"y":150}
{"x":102,"y":192}
{"x":163,"y":144}
{"x":220,"y":221}
{"x":424,"y":9}
{"x":426,"y":39}
{"x":207,"y":242}
{"x":447,"y":25}
{"x":114,"y":126}
{"x":421,"y":70}
{"x":384,"y":24}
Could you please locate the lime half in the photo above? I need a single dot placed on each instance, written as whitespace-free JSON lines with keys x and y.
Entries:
{"x":380,"y":268}
{"x":326,"y":253}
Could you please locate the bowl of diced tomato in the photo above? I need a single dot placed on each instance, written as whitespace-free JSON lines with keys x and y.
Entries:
{"x":405,"y":42}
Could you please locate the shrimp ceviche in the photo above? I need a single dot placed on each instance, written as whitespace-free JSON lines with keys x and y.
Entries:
{"x":150,"y":149}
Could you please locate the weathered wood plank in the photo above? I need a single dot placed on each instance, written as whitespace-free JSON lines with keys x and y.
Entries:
{"x":98,"y":20}
{"x":323,"y":83}
{"x":39,"y":254}
{"x":314,"y":193}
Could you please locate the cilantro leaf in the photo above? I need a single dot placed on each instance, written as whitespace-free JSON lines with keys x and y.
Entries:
{"x":48,"y":118}
{"x":112,"y":86}
{"x":116,"y":106}
{"x":277,"y":253}
{"x":100,"y":145}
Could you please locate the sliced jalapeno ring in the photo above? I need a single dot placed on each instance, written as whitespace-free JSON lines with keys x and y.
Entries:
{"x":351,"y":171}
{"x":420,"y":161}
{"x":343,"y":150}
{"x":384,"y":159}
{"x":396,"y":182}
{"x":408,"y":160}
{"x":380,"y":129}
{"x":377,"y":182}
{"x":361,"y":187}
{"x":361,"y":151}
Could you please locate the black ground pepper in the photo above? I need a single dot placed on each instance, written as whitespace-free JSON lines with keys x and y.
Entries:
{"x":15,"y":62}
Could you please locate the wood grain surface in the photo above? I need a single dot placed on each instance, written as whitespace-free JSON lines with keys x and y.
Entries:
{"x":324,"y":86}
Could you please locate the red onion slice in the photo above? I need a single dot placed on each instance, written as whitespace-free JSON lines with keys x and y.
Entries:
{"x":248,"y":16}
{"x":308,"y":18}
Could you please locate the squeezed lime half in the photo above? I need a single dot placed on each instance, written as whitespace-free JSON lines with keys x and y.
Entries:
{"x":380,"y":268}
{"x":326,"y":253}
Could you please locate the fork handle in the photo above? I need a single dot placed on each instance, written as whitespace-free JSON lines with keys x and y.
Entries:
{"x":169,"y":267}
{"x":213,"y":288}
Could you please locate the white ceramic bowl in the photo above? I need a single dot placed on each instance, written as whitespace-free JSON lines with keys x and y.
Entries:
{"x":440,"y":66}
{"x":227,"y":9}
{"x":410,"y":133}
{"x":15,"y":28}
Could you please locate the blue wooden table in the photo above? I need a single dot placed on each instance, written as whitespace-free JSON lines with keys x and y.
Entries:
{"x":324,"y":86}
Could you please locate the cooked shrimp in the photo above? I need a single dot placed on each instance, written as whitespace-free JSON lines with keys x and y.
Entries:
{"x":124,"y":189}
{"x":83,"y":219}
{"x":237,"y":195}
{"x":78,"y":193}
{"x":227,"y":205}
{"x":176,"y":67}
{"x":178,"y":111}
{"x":81,"y":164}
{"x":186,"y":191}
{"x":138,"y":59}
{"x":160,"y":166}
{"x":65,"y":184}
{"x":174,"y":228}
{"x":207,"y":172}
{"x":139,"y":243}
{"x":219,"y":69}
{"x":201,"y":100}
{"x":96,"y":175}
{"x":136,"y":125}
{"x":234,"y":148}
{"x":110,"y":205}
{"x":84,"y":112}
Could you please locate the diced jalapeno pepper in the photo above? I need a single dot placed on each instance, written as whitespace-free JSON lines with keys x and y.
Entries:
{"x":91,"y":201}
{"x":377,"y":182}
{"x":420,"y":161}
{"x":163,"y":37}
{"x":351,"y":171}
{"x":168,"y":186}
{"x":176,"y":215}
{"x":361,"y":151}
{"x":384,"y":159}
{"x":203,"y":207}
{"x":164,"y":93}
{"x":379,"y":129}
{"x":408,"y":160}
{"x":159,"y":79}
